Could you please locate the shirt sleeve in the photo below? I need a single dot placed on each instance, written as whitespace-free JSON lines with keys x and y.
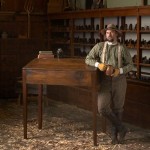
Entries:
{"x":121,"y":70}
{"x":127,"y":61}
{"x":96,"y":64}
{"x":93,"y":56}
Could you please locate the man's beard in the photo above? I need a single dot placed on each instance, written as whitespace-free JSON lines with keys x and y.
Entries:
{"x":110,"y":40}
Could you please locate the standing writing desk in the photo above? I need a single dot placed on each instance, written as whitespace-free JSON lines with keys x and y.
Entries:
{"x":65,"y":71}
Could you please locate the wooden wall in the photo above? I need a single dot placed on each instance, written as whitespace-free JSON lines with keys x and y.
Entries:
{"x":137,"y":104}
{"x":17,"y":49}
{"x":18,"y":5}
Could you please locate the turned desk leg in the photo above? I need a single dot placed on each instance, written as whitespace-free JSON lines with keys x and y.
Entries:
{"x":40,"y":90}
{"x":24,"y":105}
{"x":94,"y":106}
{"x":94,"y":99}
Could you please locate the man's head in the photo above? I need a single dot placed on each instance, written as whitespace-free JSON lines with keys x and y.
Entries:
{"x":111,"y":33}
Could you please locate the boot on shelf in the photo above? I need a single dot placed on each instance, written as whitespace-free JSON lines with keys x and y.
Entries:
{"x":130,"y":26}
{"x":126,"y":27}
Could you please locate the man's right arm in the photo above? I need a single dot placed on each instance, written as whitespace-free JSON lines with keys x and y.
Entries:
{"x":93,"y":56}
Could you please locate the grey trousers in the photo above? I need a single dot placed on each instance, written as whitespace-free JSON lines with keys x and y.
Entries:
{"x":112,"y":93}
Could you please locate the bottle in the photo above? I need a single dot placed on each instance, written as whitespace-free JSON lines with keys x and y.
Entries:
{"x":59,"y":53}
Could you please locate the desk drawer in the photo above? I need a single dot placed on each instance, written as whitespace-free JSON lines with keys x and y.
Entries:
{"x":59,"y":77}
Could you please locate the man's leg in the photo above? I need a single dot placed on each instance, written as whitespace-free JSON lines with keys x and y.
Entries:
{"x":118,"y":97}
{"x":119,"y":128}
{"x":123,"y":133}
{"x":104,"y":102}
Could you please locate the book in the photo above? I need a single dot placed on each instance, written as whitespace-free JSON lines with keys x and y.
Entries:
{"x":45,"y":52}
{"x":45,"y":56}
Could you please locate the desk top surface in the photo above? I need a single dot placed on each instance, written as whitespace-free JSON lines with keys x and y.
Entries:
{"x":58,"y":64}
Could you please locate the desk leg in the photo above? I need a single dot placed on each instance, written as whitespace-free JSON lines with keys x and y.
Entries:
{"x":24,"y":105}
{"x":94,"y":99}
{"x":40,"y":90}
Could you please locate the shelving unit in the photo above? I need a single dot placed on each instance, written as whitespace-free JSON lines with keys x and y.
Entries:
{"x":60,"y":36}
{"x":144,"y":50}
{"x":83,"y":30}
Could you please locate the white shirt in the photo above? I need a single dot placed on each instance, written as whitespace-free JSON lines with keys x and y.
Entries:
{"x":110,"y":43}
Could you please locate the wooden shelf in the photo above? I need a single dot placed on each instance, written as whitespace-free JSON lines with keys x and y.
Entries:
{"x":120,"y":14}
{"x":145,"y":31}
{"x":86,"y":31}
{"x":144,"y":65}
{"x":129,"y":31}
{"x":139,"y":82}
{"x":83,"y":44}
{"x":145,"y":48}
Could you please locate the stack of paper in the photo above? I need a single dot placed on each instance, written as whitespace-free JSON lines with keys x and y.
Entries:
{"x":45,"y":54}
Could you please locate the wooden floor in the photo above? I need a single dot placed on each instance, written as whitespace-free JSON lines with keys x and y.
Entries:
{"x":65,"y":127}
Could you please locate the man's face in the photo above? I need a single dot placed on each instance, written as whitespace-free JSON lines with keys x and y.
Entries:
{"x":111,"y":35}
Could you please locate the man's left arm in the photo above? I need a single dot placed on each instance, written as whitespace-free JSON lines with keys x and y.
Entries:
{"x":127,"y":63}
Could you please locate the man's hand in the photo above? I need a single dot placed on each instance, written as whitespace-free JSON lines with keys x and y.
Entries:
{"x":102,"y":66}
{"x":116,"y":73}
{"x":110,"y":70}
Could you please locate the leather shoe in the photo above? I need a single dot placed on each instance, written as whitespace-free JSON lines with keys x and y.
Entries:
{"x":122,"y":133}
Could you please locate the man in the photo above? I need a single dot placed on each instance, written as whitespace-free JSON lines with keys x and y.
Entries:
{"x":114,"y":60}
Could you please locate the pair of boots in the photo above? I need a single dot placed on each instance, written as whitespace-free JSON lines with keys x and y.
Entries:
{"x":118,"y":130}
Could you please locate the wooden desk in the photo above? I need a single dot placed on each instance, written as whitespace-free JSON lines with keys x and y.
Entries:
{"x":65,"y":71}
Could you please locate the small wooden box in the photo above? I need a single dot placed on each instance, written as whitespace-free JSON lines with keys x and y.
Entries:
{"x":55,"y":6}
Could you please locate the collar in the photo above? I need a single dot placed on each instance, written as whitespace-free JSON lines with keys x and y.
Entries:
{"x":112,"y":43}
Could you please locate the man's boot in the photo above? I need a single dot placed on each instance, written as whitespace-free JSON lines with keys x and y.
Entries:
{"x":113,"y":135}
{"x":121,"y":130}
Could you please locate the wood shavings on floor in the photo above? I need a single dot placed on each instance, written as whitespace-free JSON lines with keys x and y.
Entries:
{"x":65,"y":127}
